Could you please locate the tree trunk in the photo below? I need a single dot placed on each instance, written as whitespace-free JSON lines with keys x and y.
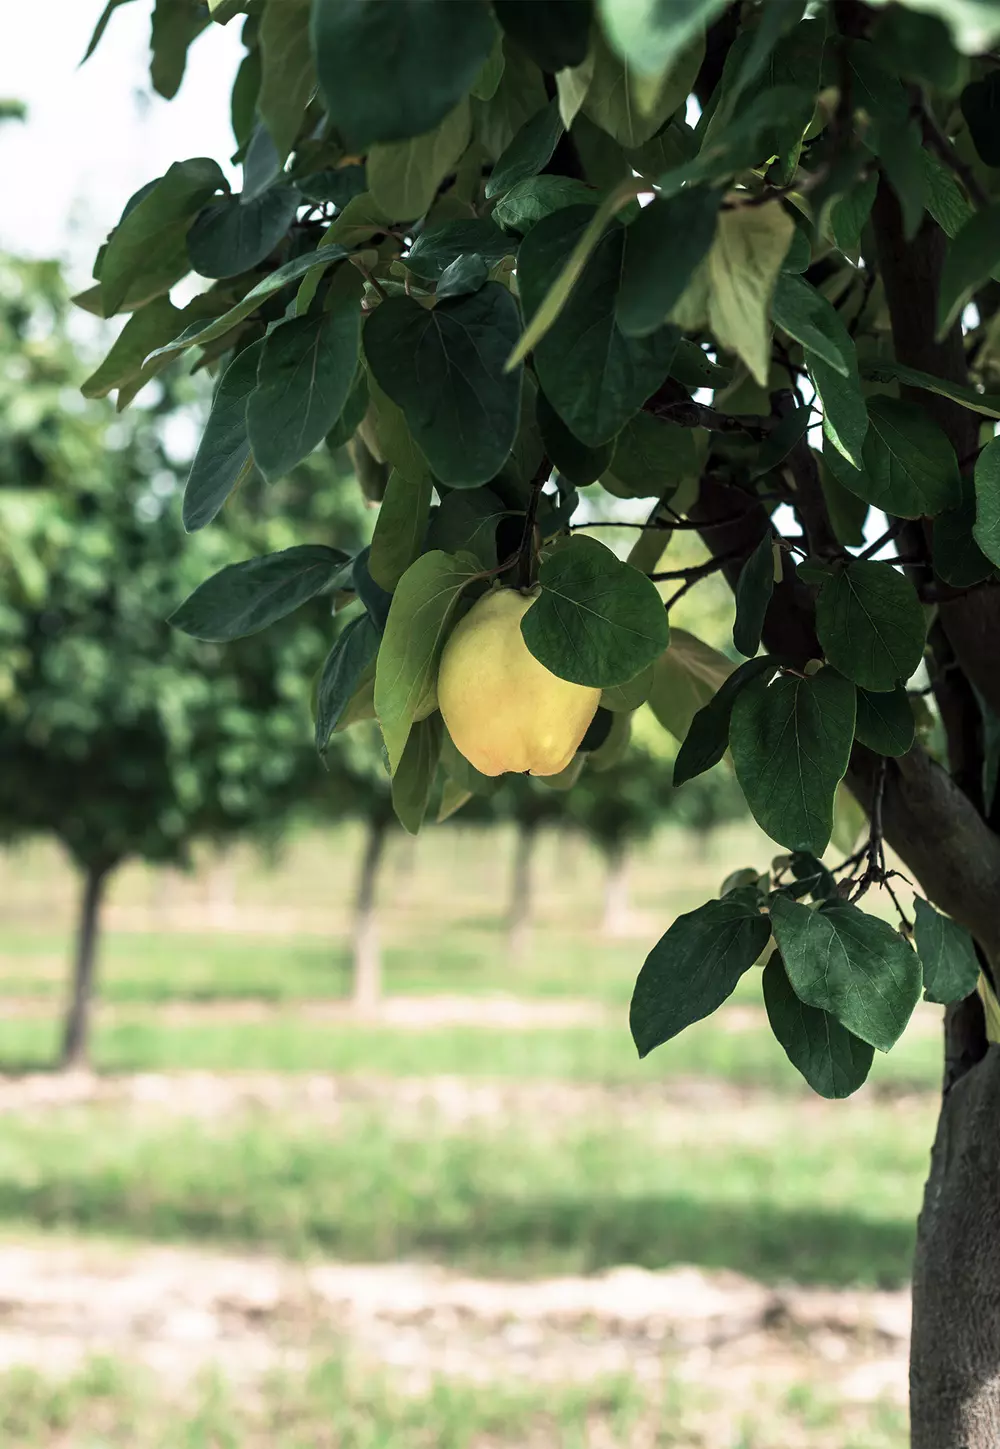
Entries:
{"x":367,"y":990}
{"x":76,"y":1033}
{"x":616,"y":907}
{"x":519,"y":910}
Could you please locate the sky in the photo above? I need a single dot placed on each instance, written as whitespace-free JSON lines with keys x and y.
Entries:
{"x":96,"y":133}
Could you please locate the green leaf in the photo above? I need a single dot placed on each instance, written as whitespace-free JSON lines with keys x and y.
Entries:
{"x":651,"y":35}
{"x":520,"y":95}
{"x":175,"y":24}
{"x":848,"y":513}
{"x":594,"y":376}
{"x":780,"y":441}
{"x":693,"y":368}
{"x":339,"y":186}
{"x":850,"y":964}
{"x":353,"y":412}
{"x":685,"y":678}
{"x":200,"y":334}
{"x":436,"y":248}
{"x":555,"y":33}
{"x":845,"y":416}
{"x":102,"y":24}
{"x":832,"y":1059}
{"x":791,"y":741}
{"x":910,"y":469}
{"x":945,"y":199}
{"x":707,"y":738}
{"x":624,"y":698}
{"x":306,"y":371}
{"x":467,"y":521}
{"x":529,"y":151}
{"x":871,"y":624}
{"x":420,"y":616}
{"x":900,"y":147}
{"x":465,"y":275}
{"x":753,"y":594}
{"x":987,"y":479}
{"x":392,"y":69}
{"x":885,"y":721}
{"x":652,"y":458}
{"x":743,"y":267}
{"x":980,"y":402}
{"x":695,"y":967}
{"x":354,"y":650}
{"x":850,"y":212}
{"x":528,"y":201}
{"x":597,"y":621}
{"x":413,"y":778}
{"x":663,"y":246}
{"x":147,"y":249}
{"x":444,"y":367}
{"x":288,"y":75}
{"x":957,"y":557}
{"x":404,"y":176}
{"x":971,"y":258}
{"x":231,"y":236}
{"x":245,"y":597}
{"x":571,"y":458}
{"x":947,"y":954}
{"x":144,"y":330}
{"x":399,"y":529}
{"x":387,"y":433}
{"x":632,"y":105}
{"x":223,"y":455}
{"x":806,"y":315}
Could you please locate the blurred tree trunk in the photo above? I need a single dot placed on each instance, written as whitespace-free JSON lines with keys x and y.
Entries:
{"x":76,"y":1033}
{"x":521,"y":905}
{"x":367,"y":955}
{"x":617,"y":914}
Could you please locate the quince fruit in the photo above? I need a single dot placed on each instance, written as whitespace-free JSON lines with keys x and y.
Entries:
{"x":504,"y":710}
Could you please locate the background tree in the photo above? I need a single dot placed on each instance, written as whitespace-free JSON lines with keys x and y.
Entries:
{"x":491,"y":310}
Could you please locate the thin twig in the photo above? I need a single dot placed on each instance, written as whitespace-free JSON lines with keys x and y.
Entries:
{"x":698,"y":571}
{"x":893,"y":531}
{"x":874,"y":851}
{"x":526,"y":550}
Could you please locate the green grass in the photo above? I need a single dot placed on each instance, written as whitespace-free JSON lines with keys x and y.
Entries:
{"x":785,"y":1192}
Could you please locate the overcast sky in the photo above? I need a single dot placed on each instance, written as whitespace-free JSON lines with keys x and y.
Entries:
{"x":96,"y":133}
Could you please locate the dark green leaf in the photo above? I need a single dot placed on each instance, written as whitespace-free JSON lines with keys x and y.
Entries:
{"x":465,"y":275}
{"x":791,"y":741}
{"x":520,"y":95}
{"x":245,"y":597}
{"x":871,"y":624}
{"x":987,"y":478}
{"x":353,"y":412}
{"x":404,"y":176}
{"x":555,"y":33}
{"x":979,"y":402}
{"x":175,"y":24}
{"x":392,"y":69}
{"x":413,"y":778}
{"x":850,"y":212}
{"x":806,"y":315}
{"x":436,"y":248}
{"x":101,"y":26}
{"x":854,"y":966}
{"x":980,"y":102}
{"x":399,"y":529}
{"x":707,"y":738}
{"x":848,"y":513}
{"x":445,"y":368}
{"x":594,"y":376}
{"x":969,"y":261}
{"x":528,"y":201}
{"x":947,"y":954}
{"x":288,"y":75}
{"x":958,"y":559}
{"x":377,"y":601}
{"x":144,"y":330}
{"x":467,"y":521}
{"x":780,"y":441}
{"x":885,"y":721}
{"x":306,"y":371}
{"x":353,"y":652}
{"x":224,"y":451}
{"x":695,"y":967}
{"x":232,"y":236}
{"x":832,"y":1059}
{"x":338,"y":186}
{"x":529,"y":151}
{"x":900,"y":148}
{"x":597,"y":621}
{"x":753,"y":594}
{"x":261,"y":164}
{"x":573,"y":459}
{"x":910,"y":469}
{"x":652,"y":458}
{"x":693,"y":368}
{"x":663,"y":246}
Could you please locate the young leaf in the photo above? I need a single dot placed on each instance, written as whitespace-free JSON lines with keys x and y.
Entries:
{"x":743,"y":267}
{"x":597,"y":621}
{"x":832,"y":1059}
{"x":420,"y":616}
{"x":529,"y":151}
{"x":307,"y":368}
{"x":389,"y":72}
{"x":685,"y":678}
{"x":987,"y":479}
{"x":404,"y":176}
{"x":444,"y":366}
{"x":288,"y":75}
{"x":224,"y":451}
{"x":663,"y":246}
{"x":753,"y":594}
{"x":871,"y":624}
{"x":885,"y":721}
{"x":245,"y":597}
{"x":707,"y":738}
{"x":970,"y":260}
{"x":947,"y":954}
{"x":231,"y":236}
{"x":695,"y":967}
{"x":413,"y":778}
{"x":399,"y":529}
{"x":354,"y":650}
{"x":854,"y":966}
{"x":791,"y":741}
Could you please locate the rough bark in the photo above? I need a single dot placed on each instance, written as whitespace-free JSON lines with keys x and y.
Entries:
{"x":615,"y":920}
{"x":76,"y":1031}
{"x":521,"y":904}
{"x":367,"y":978}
